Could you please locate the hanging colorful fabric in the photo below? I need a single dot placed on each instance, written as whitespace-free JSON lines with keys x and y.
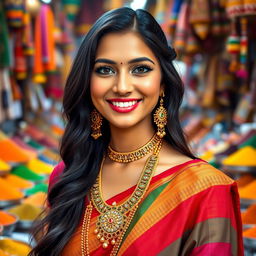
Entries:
{"x":88,"y":13}
{"x":200,"y":17}
{"x":233,"y":47}
{"x":216,"y":24}
{"x":224,"y":18}
{"x":44,"y":44}
{"x":242,"y":72}
{"x":181,"y":32}
{"x":4,"y":47}
{"x":14,"y":10}
{"x":66,"y":37}
{"x":211,"y":82}
{"x":16,"y":92}
{"x":3,"y":99}
{"x":54,"y":86}
{"x":39,"y":76}
{"x":6,"y":94}
{"x":192,"y":46}
{"x":160,"y":11}
{"x":225,"y":81}
{"x":174,"y":14}
{"x":27,"y":40}
{"x":220,"y":22}
{"x":66,"y":67}
{"x":48,"y":44}
{"x":67,"y":41}
{"x":20,"y":65}
{"x":253,"y":87}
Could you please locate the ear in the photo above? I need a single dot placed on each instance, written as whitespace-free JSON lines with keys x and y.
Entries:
{"x":162,"y":89}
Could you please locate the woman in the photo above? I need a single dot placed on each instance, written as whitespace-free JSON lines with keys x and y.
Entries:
{"x":128,"y":183}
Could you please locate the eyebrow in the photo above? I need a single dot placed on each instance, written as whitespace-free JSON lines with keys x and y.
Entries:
{"x":108,"y":61}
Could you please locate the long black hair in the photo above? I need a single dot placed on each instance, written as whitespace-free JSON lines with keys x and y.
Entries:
{"x":82,"y":154}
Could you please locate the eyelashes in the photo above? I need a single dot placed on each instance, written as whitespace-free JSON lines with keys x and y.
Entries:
{"x":137,"y":70}
{"x":141,"y":69}
{"x":104,"y":70}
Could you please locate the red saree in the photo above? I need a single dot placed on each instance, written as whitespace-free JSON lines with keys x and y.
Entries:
{"x":190,"y":209}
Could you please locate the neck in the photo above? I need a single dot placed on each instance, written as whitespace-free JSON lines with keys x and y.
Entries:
{"x":125,"y":140}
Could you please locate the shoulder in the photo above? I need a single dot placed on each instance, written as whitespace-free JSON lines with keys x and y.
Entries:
{"x":203,"y":172}
{"x":56,"y":172}
{"x":197,"y":176}
{"x":199,"y":182}
{"x":204,"y":184}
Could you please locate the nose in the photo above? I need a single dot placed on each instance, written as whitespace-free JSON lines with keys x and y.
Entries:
{"x":123,"y":84}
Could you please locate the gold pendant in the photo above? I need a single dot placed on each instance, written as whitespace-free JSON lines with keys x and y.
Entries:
{"x":109,"y":226}
{"x":114,"y":219}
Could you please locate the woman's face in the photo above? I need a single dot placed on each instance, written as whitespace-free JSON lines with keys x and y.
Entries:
{"x":126,"y":80}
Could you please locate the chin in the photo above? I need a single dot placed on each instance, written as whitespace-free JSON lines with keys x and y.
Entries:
{"x":123,"y":125}
{"x":127,"y":123}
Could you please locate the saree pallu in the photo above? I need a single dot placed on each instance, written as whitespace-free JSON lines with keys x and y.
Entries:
{"x":190,"y":209}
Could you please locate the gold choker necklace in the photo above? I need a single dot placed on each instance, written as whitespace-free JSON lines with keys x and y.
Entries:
{"x":127,"y":157}
{"x":114,"y":220}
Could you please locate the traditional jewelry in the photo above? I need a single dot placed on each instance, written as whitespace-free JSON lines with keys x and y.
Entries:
{"x":85,"y":230}
{"x":127,"y":157}
{"x":114,"y":220}
{"x":96,"y":122}
{"x":160,"y":118}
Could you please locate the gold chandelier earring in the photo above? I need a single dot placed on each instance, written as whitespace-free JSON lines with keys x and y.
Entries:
{"x":96,"y":122}
{"x":160,"y":118}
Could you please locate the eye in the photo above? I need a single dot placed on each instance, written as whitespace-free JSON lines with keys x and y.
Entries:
{"x":142,"y":69}
{"x":105,"y":70}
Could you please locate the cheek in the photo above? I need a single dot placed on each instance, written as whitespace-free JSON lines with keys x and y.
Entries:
{"x":151,"y":85}
{"x":98,"y":88}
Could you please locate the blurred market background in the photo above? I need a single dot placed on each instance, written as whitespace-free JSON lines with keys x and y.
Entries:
{"x":215,"y":41}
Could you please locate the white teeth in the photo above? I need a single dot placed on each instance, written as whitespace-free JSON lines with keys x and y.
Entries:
{"x":124,"y":104}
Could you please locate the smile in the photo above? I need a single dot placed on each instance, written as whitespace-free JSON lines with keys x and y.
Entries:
{"x":123,"y":105}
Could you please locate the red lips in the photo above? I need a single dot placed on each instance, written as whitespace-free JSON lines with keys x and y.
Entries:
{"x":121,"y":108}
{"x":123,"y":100}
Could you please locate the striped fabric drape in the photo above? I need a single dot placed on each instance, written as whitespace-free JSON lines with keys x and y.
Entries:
{"x":190,"y":209}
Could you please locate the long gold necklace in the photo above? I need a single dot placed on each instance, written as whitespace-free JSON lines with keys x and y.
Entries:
{"x":127,"y":157}
{"x":114,"y":220}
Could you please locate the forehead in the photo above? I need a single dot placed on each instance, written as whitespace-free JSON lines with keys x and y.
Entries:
{"x":123,"y":46}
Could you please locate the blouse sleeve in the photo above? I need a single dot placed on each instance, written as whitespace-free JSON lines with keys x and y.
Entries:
{"x":58,"y":169}
{"x":218,"y":229}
